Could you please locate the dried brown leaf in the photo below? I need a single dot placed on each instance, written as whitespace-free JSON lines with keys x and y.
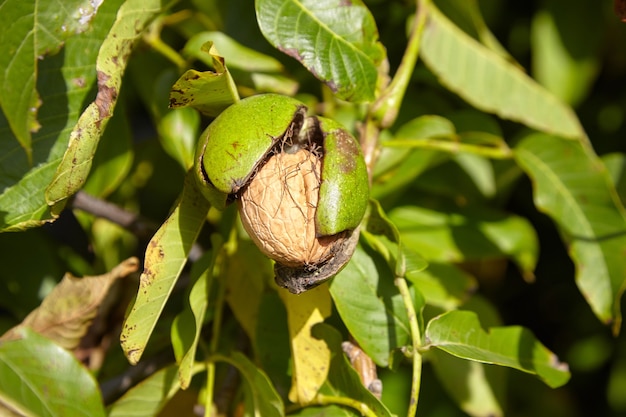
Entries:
{"x":65,"y":315}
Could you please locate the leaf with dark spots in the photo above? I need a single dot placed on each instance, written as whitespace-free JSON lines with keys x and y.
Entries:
{"x":72,"y":172}
{"x":165,"y":258}
{"x":210,"y":92}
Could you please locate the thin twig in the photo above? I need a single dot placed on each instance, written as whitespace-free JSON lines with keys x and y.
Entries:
{"x":416,"y":341}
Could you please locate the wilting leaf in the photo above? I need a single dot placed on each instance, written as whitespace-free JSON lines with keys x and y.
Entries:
{"x":65,"y":314}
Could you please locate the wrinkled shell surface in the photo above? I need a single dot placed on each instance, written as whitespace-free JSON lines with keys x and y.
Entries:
{"x":278,"y":206}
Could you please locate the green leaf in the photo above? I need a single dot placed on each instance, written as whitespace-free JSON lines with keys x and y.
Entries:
{"x":443,"y":285}
{"x":178,"y":133}
{"x":31,"y":30}
{"x":616,"y":165}
{"x":248,"y":271}
{"x":66,"y":313}
{"x":132,"y":18}
{"x":39,"y":378}
{"x":64,"y":83}
{"x":210,"y":91}
{"x":489,"y":82}
{"x":187,"y":325}
{"x":266,"y":401}
{"x":477,"y":388}
{"x":573,"y":187}
{"x":371,"y":306}
{"x":113,"y":159}
{"x":398,"y":167}
{"x":272,"y":348}
{"x":343,"y":380}
{"x":459,"y":333}
{"x":445,"y":233}
{"x":247,"y":66}
{"x":165,"y":258}
{"x":566,"y":59}
{"x":336,"y":41}
{"x":148,"y":397}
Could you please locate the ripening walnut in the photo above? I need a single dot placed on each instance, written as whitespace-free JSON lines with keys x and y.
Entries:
{"x":300,"y":181}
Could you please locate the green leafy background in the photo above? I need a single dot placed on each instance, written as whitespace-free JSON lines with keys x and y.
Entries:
{"x":492,"y":257}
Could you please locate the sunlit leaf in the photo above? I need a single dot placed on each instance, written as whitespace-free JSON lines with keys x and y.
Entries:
{"x":132,"y":17}
{"x":489,"y":82}
{"x":459,"y":333}
{"x":40,"y":378}
{"x":64,"y":83}
{"x":210,"y":91}
{"x":30,"y":31}
{"x":311,"y":357}
{"x":370,"y":305}
{"x":336,"y":41}
{"x":165,"y":258}
{"x":65,"y":315}
{"x":573,"y":187}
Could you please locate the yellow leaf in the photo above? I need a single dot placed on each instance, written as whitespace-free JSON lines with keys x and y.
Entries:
{"x":311,"y":356}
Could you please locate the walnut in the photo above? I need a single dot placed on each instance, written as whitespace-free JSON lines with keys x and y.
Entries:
{"x":278,"y":207}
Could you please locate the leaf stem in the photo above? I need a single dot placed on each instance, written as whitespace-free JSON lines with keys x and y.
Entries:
{"x":501,"y":152}
{"x":416,"y":340}
{"x":213,"y":346}
{"x":153,"y":38}
{"x":322,"y":399}
{"x":385,"y":109}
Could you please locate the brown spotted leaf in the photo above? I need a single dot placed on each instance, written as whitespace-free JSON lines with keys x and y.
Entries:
{"x":165,"y":258}
{"x":132,"y":18}
{"x":65,"y":315}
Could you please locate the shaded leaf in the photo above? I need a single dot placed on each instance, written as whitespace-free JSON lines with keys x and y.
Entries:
{"x":165,"y":258}
{"x":398,"y":167}
{"x":39,"y":378}
{"x":272,"y":348}
{"x":343,"y":380}
{"x":132,"y":17}
{"x":31,"y":30}
{"x":489,"y":82}
{"x":445,"y":233}
{"x":371,"y":306}
{"x":265,"y":400}
{"x":311,"y":357}
{"x":149,"y":397}
{"x":210,"y":91}
{"x":178,"y":133}
{"x":565,"y":59}
{"x":443,"y":285}
{"x":478,"y":389}
{"x":336,"y":41}
{"x":247,"y":271}
{"x":65,"y":315}
{"x":187,"y":325}
{"x":573,"y":187}
{"x":459,"y":333}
